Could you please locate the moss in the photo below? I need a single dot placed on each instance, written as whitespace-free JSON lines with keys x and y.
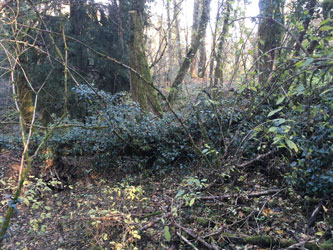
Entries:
{"x":141,"y":89}
{"x":202,"y":221}
{"x":25,"y":101}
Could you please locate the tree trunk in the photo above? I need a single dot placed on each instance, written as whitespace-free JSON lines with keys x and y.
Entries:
{"x":176,"y":11}
{"x":141,"y":92}
{"x":218,"y":76}
{"x":203,"y":55}
{"x":269,"y":37}
{"x":170,"y":54}
{"x":203,"y":58}
{"x":191,"y":52}
{"x":213,"y":49}
{"x":195,"y":27}
{"x":25,"y":101}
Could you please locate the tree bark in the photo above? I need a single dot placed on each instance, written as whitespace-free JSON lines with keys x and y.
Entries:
{"x":170,"y":53}
{"x":176,"y":10}
{"x":213,"y":49}
{"x":195,"y":27}
{"x":202,"y":59}
{"x":218,"y":76}
{"x":25,"y":101}
{"x":141,"y":92}
{"x":269,"y":37}
{"x":191,"y":52}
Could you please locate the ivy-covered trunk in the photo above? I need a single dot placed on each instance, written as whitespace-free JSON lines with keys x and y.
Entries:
{"x":269,"y":36}
{"x":141,"y":89}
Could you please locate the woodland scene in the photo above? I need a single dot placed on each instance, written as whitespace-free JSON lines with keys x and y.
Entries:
{"x":166,"y":124}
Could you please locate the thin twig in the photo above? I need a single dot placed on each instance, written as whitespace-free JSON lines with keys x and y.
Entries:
{"x":187,"y":241}
{"x":253,"y":194}
{"x":193,"y":235}
{"x":263,"y":206}
{"x":150,"y":224}
{"x":258,"y":158}
{"x":5,"y":4}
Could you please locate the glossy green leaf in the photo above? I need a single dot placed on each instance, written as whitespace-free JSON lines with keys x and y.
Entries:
{"x":280,"y":100}
{"x":192,"y":202}
{"x":274,"y":111}
{"x":326,"y":28}
{"x":292,"y":145}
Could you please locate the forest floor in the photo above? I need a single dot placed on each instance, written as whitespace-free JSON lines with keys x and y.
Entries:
{"x":197,"y":208}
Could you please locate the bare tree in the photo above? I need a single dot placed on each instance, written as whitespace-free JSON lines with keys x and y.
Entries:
{"x":213,"y":48}
{"x":176,"y":10}
{"x":195,"y":27}
{"x":191,"y":52}
{"x":218,"y":76}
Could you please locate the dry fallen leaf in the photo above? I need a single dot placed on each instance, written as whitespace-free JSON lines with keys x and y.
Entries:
{"x":267,"y":211}
{"x":279,"y":231}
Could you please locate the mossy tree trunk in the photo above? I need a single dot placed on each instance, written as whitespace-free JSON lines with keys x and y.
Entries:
{"x":141,"y":91}
{"x":25,"y":101}
{"x":218,"y":75}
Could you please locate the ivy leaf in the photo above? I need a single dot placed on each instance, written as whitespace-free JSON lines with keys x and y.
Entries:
{"x":324,"y":22}
{"x":180,"y":193}
{"x":299,"y":64}
{"x":167,"y":234}
{"x":292,"y":145}
{"x":280,"y":100}
{"x":326,"y":28}
{"x":272,"y":129}
{"x":308,"y":62}
{"x":274,"y":111}
{"x":279,"y":121}
{"x":300,"y":89}
{"x":192,"y":202}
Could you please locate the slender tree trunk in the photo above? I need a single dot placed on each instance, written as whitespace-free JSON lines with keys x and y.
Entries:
{"x":218,"y":76}
{"x":120,"y":25}
{"x":191,"y":52}
{"x":141,"y":92}
{"x":213,"y":49}
{"x":176,"y":11}
{"x":195,"y":27}
{"x":202,"y":59}
{"x":203,"y":55}
{"x":170,"y":54}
